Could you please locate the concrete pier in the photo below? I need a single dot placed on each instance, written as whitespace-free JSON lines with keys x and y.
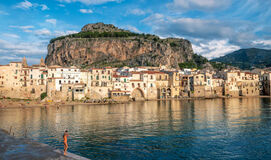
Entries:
{"x":12,"y":148}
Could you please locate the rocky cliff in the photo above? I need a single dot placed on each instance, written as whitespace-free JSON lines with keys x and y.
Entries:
{"x":99,"y":45}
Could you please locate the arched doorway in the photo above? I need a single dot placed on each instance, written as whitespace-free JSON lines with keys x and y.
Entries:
{"x":137,"y":95}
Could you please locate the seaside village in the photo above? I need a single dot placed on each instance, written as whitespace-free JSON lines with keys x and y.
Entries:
{"x":18,"y":80}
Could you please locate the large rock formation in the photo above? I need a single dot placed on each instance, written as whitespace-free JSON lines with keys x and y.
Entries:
{"x":102,"y":45}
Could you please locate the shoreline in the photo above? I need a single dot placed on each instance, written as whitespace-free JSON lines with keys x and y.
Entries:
{"x":20,"y":103}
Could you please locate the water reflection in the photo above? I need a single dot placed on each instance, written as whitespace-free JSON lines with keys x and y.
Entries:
{"x":213,"y":128}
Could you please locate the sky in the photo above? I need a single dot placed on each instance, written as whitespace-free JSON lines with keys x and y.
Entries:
{"x":215,"y":27}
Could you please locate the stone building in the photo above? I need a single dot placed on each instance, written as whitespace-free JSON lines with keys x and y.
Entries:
{"x":101,"y":83}
{"x":230,"y":86}
{"x":143,"y":85}
{"x":18,"y":80}
{"x":266,"y":82}
{"x":249,"y":84}
{"x":239,"y":83}
{"x":175,"y":82}
{"x":162,"y":85}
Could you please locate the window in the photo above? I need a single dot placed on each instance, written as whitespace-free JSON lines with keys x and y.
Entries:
{"x":97,"y":77}
{"x":133,"y":85}
{"x":31,"y":76}
{"x":59,"y":81}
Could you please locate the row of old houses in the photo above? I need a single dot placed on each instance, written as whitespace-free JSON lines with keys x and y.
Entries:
{"x":18,"y":80}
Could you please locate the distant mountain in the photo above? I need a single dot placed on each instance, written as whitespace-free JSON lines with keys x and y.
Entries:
{"x":247,"y":58}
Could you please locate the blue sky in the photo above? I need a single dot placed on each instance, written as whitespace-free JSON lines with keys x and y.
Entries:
{"x":215,"y":27}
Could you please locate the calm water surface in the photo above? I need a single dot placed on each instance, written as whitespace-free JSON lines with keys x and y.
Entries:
{"x":188,"y":129}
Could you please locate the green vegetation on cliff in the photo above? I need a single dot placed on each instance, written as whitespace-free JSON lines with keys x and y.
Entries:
{"x":117,"y":34}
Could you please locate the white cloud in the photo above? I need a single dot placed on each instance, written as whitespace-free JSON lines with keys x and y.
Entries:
{"x":43,"y":32}
{"x":86,"y":11}
{"x":44,"y":7}
{"x":214,"y":48}
{"x":24,"y":28}
{"x":154,"y":18}
{"x":3,"y":13}
{"x":22,"y":48}
{"x":63,"y":33}
{"x":24,"y":5}
{"x":238,"y":33}
{"x":132,"y":28}
{"x":90,"y":2}
{"x":10,"y":35}
{"x":61,"y":5}
{"x":262,"y":42}
{"x":192,"y":27}
{"x":137,"y":11}
{"x":27,"y":5}
{"x":52,"y":21}
{"x":199,"y":4}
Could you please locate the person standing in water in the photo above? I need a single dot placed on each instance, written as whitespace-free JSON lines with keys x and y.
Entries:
{"x":65,"y":141}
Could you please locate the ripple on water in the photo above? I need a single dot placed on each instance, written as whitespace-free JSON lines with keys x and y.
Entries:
{"x":194,"y":129}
